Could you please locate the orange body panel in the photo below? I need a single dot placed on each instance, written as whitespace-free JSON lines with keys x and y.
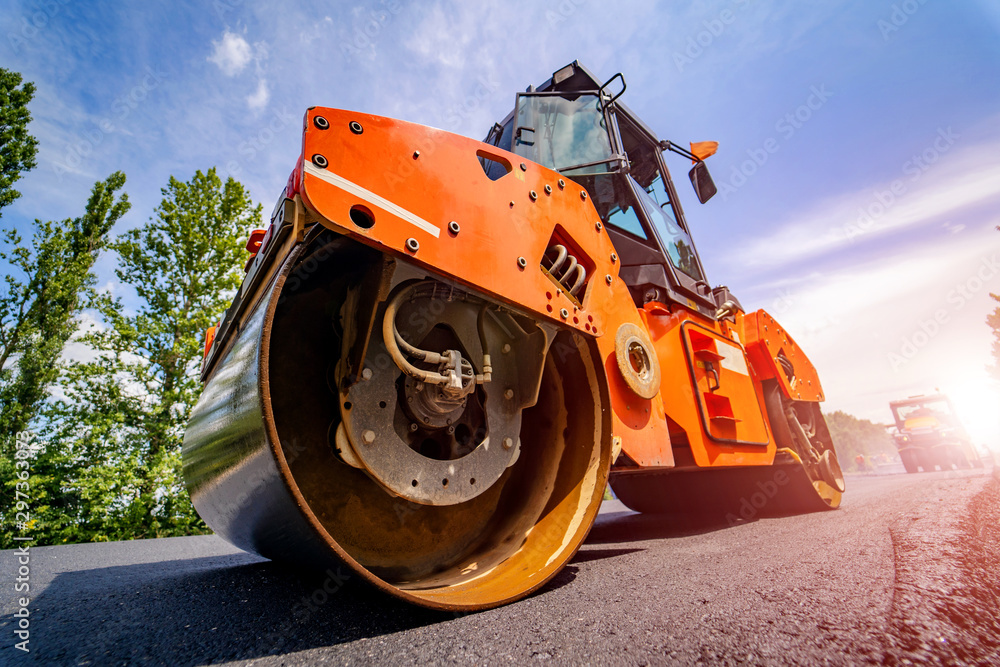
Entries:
{"x":724,"y":390}
{"x":724,"y":427}
{"x":765,"y":339}
{"x":412,"y":181}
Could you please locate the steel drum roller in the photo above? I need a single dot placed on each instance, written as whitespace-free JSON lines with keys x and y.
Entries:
{"x":262,"y":465}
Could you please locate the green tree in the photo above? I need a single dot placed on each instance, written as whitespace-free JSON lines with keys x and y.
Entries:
{"x":17,"y":147}
{"x":38,"y":312}
{"x":853,"y":437}
{"x":117,"y":434}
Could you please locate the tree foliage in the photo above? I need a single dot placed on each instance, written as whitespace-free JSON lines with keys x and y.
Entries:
{"x":17,"y":147}
{"x":853,"y":437}
{"x":112,"y":466}
{"x":38,"y":312}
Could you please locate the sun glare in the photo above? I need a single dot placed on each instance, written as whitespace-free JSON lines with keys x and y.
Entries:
{"x":977,"y":402}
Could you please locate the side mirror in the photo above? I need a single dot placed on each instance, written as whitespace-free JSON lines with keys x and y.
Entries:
{"x":704,"y":186}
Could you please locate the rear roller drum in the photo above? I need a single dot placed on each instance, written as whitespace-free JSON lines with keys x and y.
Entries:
{"x":451,"y":452}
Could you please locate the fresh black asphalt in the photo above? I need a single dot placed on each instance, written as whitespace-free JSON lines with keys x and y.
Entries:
{"x":890,"y":577}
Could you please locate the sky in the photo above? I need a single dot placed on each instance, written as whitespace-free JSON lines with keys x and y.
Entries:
{"x":858,"y":164}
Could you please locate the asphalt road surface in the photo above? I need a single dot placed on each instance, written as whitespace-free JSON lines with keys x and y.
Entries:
{"x":907,"y":570}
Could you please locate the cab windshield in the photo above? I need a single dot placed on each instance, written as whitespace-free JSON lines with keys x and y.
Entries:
{"x":938,"y":409}
{"x":568,"y":135}
{"x":675,"y":241}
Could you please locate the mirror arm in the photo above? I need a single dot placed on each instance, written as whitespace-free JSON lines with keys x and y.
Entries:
{"x":674,"y":148}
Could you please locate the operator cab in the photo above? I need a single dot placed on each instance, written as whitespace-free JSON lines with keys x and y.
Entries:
{"x":924,"y":413}
{"x":575,"y":125}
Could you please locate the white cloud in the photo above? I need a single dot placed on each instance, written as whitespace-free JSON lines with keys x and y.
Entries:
{"x":259,"y":98}
{"x":909,"y":321}
{"x":958,"y":182}
{"x":232,"y":54}
{"x":443,"y":37}
{"x":75,"y":349}
{"x":320,"y":30}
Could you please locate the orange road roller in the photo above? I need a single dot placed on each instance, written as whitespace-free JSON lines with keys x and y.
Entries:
{"x":444,"y":349}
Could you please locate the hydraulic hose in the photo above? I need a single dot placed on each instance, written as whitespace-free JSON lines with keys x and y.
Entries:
{"x":394,"y":341}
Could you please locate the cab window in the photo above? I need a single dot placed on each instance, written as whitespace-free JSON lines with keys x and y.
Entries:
{"x":676,"y":242}
{"x":568,"y":135}
{"x":627,"y":220}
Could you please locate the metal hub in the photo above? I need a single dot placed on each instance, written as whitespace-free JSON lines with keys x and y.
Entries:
{"x":447,"y":436}
{"x":431,"y":406}
{"x":637,"y":360}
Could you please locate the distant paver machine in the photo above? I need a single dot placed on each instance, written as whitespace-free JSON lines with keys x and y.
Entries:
{"x":929,"y":435}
